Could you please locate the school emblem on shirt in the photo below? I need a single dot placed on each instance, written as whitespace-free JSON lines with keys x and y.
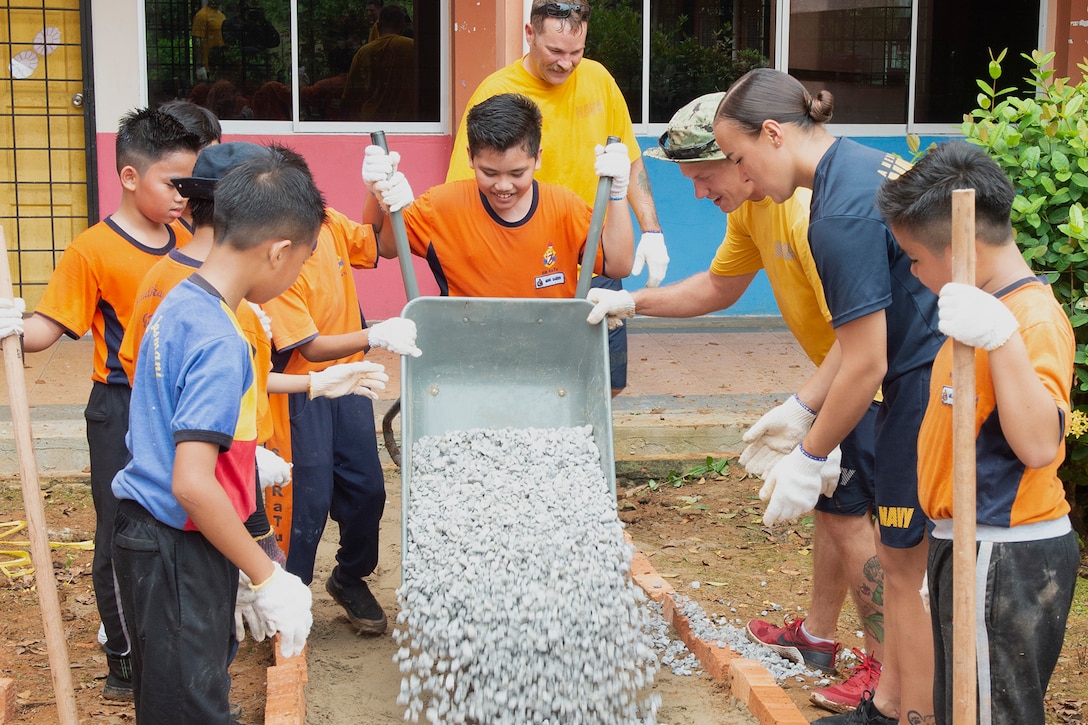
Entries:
{"x":550,"y":257}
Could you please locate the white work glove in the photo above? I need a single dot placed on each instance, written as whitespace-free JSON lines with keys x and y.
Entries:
{"x":973,"y":317}
{"x":378,"y":165}
{"x":266,"y":321}
{"x":924,"y":591}
{"x":793,"y":486}
{"x":397,"y":335}
{"x":613,"y":305}
{"x":284,"y":602}
{"x":357,"y":378}
{"x":394,"y":193}
{"x":651,"y":252}
{"x":830,"y":472}
{"x":774,"y":435}
{"x":245,"y":612}
{"x":612,"y":160}
{"x":11,"y":316}
{"x":272,"y":469}
{"x":202,"y":73}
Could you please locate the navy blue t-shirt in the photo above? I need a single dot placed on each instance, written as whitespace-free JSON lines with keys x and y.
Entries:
{"x":862,"y":268}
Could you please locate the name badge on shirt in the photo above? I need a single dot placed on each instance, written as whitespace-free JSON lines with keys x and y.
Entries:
{"x":946,"y":395}
{"x":550,"y":280}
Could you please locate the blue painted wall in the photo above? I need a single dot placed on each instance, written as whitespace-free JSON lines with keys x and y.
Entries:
{"x":694,"y":228}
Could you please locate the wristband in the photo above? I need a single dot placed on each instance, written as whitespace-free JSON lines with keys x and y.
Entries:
{"x":806,"y":454}
{"x":651,"y":231}
{"x":617,"y":198}
{"x":262,"y":585}
{"x":800,"y":402}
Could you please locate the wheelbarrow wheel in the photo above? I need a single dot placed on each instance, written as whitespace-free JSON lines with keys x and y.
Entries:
{"x":387,"y":432}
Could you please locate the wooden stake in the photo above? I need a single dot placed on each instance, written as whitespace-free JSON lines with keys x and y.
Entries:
{"x":964,"y":672}
{"x":48,"y":600}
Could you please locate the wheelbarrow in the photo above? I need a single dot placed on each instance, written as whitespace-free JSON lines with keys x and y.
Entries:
{"x":501,"y":363}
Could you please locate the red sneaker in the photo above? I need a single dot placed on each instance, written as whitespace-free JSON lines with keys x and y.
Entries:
{"x":846,"y":695}
{"x":793,"y":644}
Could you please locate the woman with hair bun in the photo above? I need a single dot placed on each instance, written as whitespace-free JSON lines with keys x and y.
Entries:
{"x":886,"y":333}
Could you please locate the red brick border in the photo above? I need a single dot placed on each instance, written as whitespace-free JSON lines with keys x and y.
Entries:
{"x":285,"y":691}
{"x":748,"y":680}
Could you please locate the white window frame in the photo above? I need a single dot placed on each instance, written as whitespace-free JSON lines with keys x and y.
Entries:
{"x":327,"y":128}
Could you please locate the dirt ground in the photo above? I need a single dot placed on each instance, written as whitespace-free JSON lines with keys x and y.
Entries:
{"x":694,"y":528}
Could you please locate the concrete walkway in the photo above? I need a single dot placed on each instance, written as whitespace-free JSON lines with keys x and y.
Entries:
{"x":694,"y":386}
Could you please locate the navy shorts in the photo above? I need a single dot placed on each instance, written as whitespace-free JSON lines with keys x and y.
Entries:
{"x":854,"y":495}
{"x":617,"y":339}
{"x":900,"y":518}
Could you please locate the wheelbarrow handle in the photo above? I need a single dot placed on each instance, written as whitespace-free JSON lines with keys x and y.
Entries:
{"x":593,"y":239}
{"x":400,"y":234}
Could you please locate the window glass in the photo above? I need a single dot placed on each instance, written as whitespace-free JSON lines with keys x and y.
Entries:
{"x":857,"y":49}
{"x":954,"y":42}
{"x":358,"y":60}
{"x":696,"y":47}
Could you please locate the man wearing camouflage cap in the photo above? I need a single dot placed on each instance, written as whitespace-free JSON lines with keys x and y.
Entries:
{"x":774,"y":237}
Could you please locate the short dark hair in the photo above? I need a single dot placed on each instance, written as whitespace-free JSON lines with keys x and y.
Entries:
{"x":264,"y":198}
{"x":196,"y":119}
{"x":502,"y":122}
{"x":146,"y":135}
{"x":920,"y":200}
{"x":392,"y":19}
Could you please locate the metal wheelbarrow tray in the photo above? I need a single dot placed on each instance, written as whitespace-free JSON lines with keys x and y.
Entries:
{"x":503,"y":363}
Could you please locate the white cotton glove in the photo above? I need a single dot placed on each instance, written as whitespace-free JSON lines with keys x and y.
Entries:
{"x":774,"y":435}
{"x":284,"y":602}
{"x":613,"y":305}
{"x":973,"y":317}
{"x":273,"y":470}
{"x":246,"y":613}
{"x":266,"y":321}
{"x":357,"y":378}
{"x":378,"y":165}
{"x":397,"y":335}
{"x":830,"y":472}
{"x":394,"y":193}
{"x":793,"y":486}
{"x":201,"y":73}
{"x":924,"y":592}
{"x":612,"y":160}
{"x":652,"y":253}
{"x":11,"y":316}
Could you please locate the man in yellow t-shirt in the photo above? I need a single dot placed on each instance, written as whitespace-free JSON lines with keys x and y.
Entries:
{"x":582,"y":106}
{"x":774,"y":237}
{"x":207,"y":36}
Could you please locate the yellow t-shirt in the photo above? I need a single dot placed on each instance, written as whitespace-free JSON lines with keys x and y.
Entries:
{"x":774,"y":237}
{"x":578,"y":114}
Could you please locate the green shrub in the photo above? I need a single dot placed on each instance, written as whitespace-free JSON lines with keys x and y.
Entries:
{"x":1040,"y":139}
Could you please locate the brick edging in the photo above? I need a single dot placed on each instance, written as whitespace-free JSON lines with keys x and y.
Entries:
{"x":748,"y":680}
{"x":285,"y":691}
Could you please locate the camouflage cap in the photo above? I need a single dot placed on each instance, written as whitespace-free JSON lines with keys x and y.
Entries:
{"x":690,"y":136}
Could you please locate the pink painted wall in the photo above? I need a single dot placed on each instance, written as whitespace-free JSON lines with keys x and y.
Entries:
{"x":335,"y":162}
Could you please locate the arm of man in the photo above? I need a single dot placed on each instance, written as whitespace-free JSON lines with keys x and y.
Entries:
{"x":640,"y":198}
{"x":618,"y":240}
{"x":843,"y":387}
{"x":376,"y":218}
{"x":40,"y":332}
{"x":1029,"y":417}
{"x":199,"y":493}
{"x":699,"y":294}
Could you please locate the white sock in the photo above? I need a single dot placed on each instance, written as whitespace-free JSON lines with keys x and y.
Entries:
{"x":811,"y":637}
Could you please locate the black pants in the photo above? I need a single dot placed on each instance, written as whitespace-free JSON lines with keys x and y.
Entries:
{"x":107,"y":425}
{"x":178,"y":593}
{"x":617,"y":339}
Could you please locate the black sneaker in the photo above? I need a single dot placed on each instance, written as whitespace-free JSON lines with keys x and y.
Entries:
{"x":866,"y":714}
{"x":363,"y":610}
{"x":119,"y":680}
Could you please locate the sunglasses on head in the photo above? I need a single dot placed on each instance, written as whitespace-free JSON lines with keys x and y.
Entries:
{"x":683,"y":153}
{"x":562,"y":10}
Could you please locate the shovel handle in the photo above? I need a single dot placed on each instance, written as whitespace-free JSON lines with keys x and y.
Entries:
{"x":400,"y":234}
{"x":593,"y":239}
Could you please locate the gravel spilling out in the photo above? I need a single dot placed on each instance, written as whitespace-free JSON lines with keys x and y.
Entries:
{"x":516,"y":604}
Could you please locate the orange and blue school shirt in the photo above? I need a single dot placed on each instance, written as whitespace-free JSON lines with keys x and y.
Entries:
{"x":163,"y":276}
{"x":473,"y":252}
{"x":323,"y":300}
{"x":194,"y":382}
{"x":1008,"y":492}
{"x":94,"y":288}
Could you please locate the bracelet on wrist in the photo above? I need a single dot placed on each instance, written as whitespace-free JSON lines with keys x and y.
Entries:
{"x":651,"y":231}
{"x":806,"y":454}
{"x":800,"y":402}
{"x":617,"y":198}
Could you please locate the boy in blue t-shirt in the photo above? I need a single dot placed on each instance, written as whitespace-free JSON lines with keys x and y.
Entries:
{"x":179,"y":539}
